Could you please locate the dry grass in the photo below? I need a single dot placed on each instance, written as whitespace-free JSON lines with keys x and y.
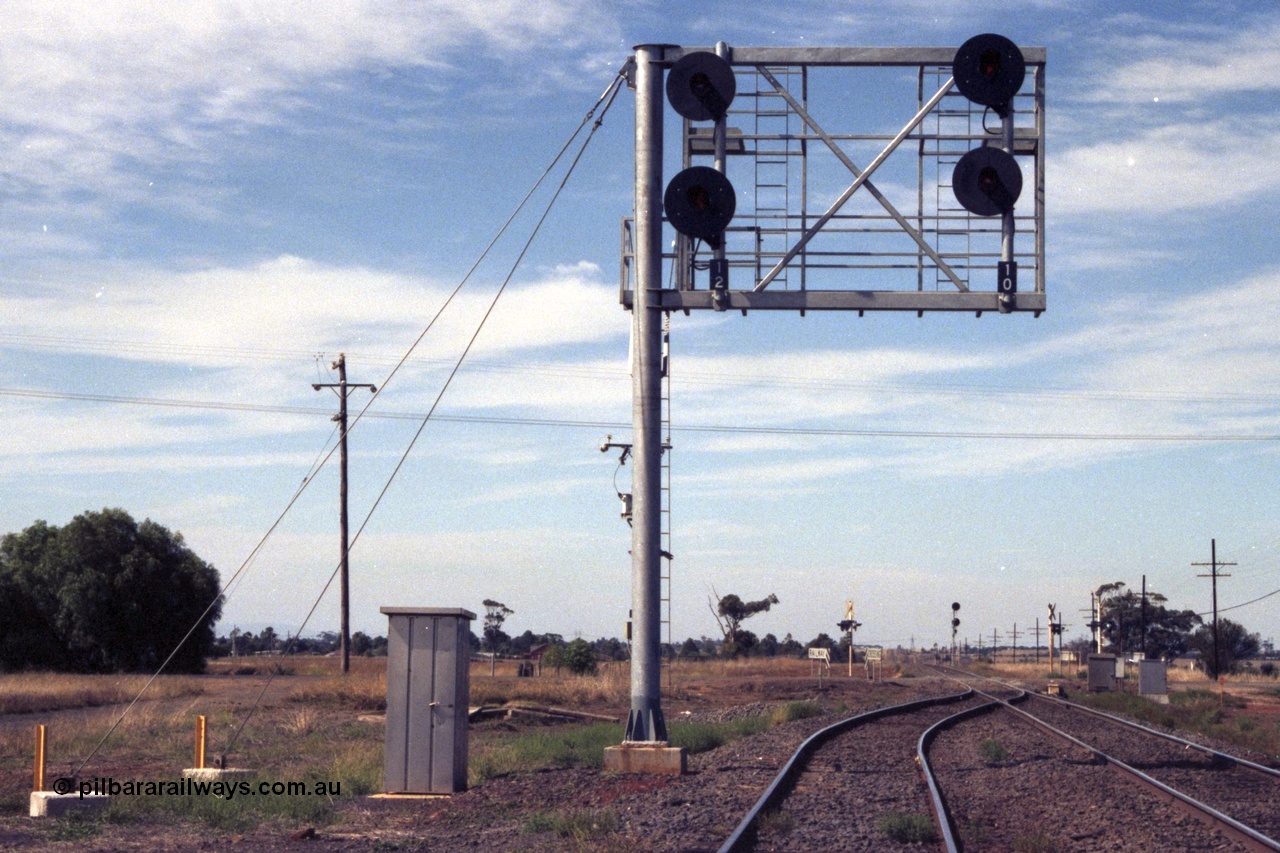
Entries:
{"x":26,"y":693}
{"x":1176,"y":674}
{"x":148,"y":735}
{"x":155,"y":740}
{"x":611,"y":686}
{"x":1197,"y":702}
{"x":747,"y":667}
{"x":1187,"y":675}
{"x":363,"y":689}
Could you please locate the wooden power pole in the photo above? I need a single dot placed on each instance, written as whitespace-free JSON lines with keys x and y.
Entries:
{"x":1215,"y":574}
{"x":343,"y":389}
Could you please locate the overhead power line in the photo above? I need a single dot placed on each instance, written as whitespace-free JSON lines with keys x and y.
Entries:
{"x":223,"y":355}
{"x":567,"y":423}
{"x":1242,"y":604}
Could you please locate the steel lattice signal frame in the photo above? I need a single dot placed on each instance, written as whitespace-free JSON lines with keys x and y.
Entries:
{"x":908,"y":247}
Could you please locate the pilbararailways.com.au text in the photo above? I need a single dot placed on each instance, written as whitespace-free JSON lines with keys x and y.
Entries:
{"x":223,"y":788}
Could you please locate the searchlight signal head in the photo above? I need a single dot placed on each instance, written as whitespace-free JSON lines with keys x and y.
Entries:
{"x":701,"y":86}
{"x":989,"y":70}
{"x":987,"y":181}
{"x":700,"y":203}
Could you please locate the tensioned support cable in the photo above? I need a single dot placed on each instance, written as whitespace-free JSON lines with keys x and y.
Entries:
{"x":218,"y":599}
{"x":614,"y":88}
{"x":606,"y":98}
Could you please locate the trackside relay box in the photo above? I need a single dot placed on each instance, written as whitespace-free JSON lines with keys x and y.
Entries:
{"x":428,"y":686}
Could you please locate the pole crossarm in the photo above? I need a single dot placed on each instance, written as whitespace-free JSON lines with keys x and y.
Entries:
{"x":1213,"y":565}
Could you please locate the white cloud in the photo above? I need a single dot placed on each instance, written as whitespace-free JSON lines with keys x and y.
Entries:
{"x":1176,"y":167}
{"x":248,"y":336}
{"x":1161,"y":122}
{"x":570,"y":305}
{"x":1193,"y":67}
{"x":97,"y":89}
{"x":287,"y":305}
{"x":1196,"y":364}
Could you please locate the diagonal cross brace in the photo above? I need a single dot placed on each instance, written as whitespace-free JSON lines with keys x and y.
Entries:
{"x":853,"y":188}
{"x":902,"y":221}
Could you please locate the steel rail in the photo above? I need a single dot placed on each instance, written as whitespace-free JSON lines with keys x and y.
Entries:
{"x":1223,"y":823}
{"x":1222,"y":756}
{"x":1246,"y":835}
{"x":744,"y":834}
{"x":938,"y":803}
{"x":941,"y":814}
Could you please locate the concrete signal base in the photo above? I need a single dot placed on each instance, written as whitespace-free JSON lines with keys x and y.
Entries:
{"x":49,"y":804}
{"x":658,"y":757}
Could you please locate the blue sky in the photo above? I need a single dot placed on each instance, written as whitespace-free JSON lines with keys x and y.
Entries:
{"x":207,"y":202}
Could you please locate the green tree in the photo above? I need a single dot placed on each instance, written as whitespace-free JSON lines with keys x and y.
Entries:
{"x":610,"y":648}
{"x":1235,"y":644}
{"x":822,"y":641}
{"x":1167,"y":632}
{"x":578,"y":657}
{"x":730,"y":612}
{"x":791,"y":648}
{"x":522,"y":644}
{"x":105,"y":594}
{"x":767,"y":646}
{"x":495,"y":613}
{"x":745,"y":644}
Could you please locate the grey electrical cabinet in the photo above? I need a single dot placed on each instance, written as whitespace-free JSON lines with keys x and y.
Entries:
{"x":1102,"y":673}
{"x":1153,"y":678}
{"x":428,"y":685}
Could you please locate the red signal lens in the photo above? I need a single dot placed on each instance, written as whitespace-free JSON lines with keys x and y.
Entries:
{"x":699,"y":198}
{"x":989,"y":63}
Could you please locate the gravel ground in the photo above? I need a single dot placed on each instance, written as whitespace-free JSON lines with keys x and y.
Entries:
{"x":853,"y":782}
{"x":1252,"y":798}
{"x":1028,"y":790}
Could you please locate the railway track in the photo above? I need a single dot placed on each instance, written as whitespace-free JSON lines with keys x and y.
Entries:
{"x":996,"y":768}
{"x":869,"y":755}
{"x":1236,"y":798}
